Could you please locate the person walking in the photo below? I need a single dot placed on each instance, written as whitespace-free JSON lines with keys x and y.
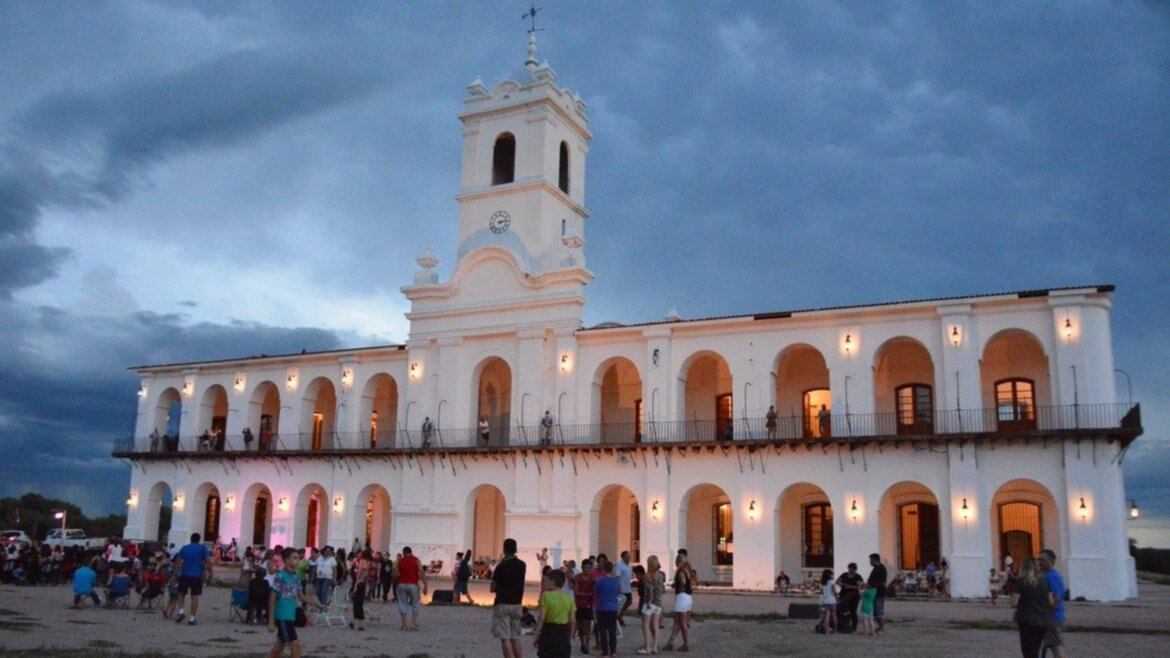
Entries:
{"x":1033,"y":601}
{"x":508,"y":586}
{"x":555,"y":619}
{"x":193,"y":569}
{"x":410,"y":575}
{"x":683,"y":589}
{"x":606,"y":601}
{"x":877,"y":580}
{"x":625,"y":576}
{"x":1055,"y":636}
{"x":282,"y":607}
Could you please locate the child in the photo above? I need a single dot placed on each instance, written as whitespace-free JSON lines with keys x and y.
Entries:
{"x":258,"y":591}
{"x":828,"y":601}
{"x":172,"y":592}
{"x":868,"y":594}
{"x":282,"y":606}
{"x":555,"y":619}
{"x":994,"y":583}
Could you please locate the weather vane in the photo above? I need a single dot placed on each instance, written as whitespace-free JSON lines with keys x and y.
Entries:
{"x":531,"y":14}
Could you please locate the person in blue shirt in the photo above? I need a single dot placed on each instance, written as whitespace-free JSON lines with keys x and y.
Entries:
{"x":83,"y":581}
{"x":1055,"y":635}
{"x":607,"y":597}
{"x":194,"y":566}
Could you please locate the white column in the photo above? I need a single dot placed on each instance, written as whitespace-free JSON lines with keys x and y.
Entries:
{"x":969,"y":507}
{"x":958,"y":376}
{"x":659,"y":383}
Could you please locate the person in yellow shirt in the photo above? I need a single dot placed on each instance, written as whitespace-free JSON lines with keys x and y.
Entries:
{"x":557,"y":619}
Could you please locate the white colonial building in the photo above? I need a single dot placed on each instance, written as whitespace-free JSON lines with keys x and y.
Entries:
{"x":965,"y":428}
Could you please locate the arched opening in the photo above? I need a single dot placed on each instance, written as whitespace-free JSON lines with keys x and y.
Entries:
{"x":207,"y":509}
{"x":1024,"y":519}
{"x":373,"y":517}
{"x":168,"y":411}
{"x":803,"y":398}
{"x":706,"y":529}
{"x":319,"y":409}
{"x":504,"y":159}
{"x":903,"y":374}
{"x":380,"y":410}
{"x":494,"y":401}
{"x":1014,"y":381}
{"x":617,"y":399}
{"x":805,"y":529}
{"x":311,"y":522}
{"x":213,"y":412}
{"x":256,"y":516}
{"x":563,"y":168}
{"x":486,"y":522}
{"x":706,"y":397}
{"x":616,"y":523}
{"x":910,"y":530}
{"x":156,"y":524}
{"x":264,"y":413}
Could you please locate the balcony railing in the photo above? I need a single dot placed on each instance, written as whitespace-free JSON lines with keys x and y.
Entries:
{"x":1006,"y":420}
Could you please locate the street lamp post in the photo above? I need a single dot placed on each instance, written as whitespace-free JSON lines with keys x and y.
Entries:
{"x":61,"y":515}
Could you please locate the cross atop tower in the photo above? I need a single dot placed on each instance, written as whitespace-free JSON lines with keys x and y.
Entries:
{"x":531,"y":14}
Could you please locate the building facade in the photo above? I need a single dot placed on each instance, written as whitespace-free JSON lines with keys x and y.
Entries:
{"x":965,"y":429}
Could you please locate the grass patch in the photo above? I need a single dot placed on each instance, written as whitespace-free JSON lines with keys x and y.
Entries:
{"x":984,"y":625}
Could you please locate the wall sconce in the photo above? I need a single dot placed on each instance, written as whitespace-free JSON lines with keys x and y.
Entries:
{"x":229,"y":503}
{"x":1134,"y":512}
{"x":132,"y":501}
{"x":965,"y":512}
{"x":347,"y":378}
{"x":853,"y":510}
{"x":848,"y":344}
{"x":240,"y":381}
{"x":142,"y":391}
{"x":654,"y":357}
{"x":282,"y":504}
{"x":752,"y":511}
{"x":188,"y":388}
{"x":415,"y":371}
{"x":1084,"y":510}
{"x":338,"y":505}
{"x":956,"y":335}
{"x":290,"y":382}
{"x":1068,"y":329}
{"x":655,"y":511}
{"x":177,"y":503}
{"x":565,"y":362}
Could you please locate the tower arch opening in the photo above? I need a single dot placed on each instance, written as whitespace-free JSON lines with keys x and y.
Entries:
{"x":504,"y":159}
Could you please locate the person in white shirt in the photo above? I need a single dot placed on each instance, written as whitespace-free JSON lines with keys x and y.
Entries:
{"x":625,"y":576}
{"x":828,"y":601}
{"x":326,"y":567}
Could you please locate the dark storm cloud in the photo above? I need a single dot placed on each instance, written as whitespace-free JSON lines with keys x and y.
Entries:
{"x":748,"y":156}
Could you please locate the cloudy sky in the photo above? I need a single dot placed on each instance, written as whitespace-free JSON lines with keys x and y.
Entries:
{"x":198,"y":180}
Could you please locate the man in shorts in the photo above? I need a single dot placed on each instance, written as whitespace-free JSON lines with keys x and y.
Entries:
{"x":194,"y":567}
{"x":583,"y":586}
{"x":1055,"y":636}
{"x":508,"y":586}
{"x":877,"y":580}
{"x":410,"y":573}
{"x":625,"y":576}
{"x":282,"y":606}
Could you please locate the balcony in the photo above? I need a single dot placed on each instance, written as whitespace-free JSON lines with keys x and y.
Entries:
{"x":1008,"y":423}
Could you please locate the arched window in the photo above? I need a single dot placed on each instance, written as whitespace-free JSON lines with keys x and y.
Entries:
{"x":504,"y":160}
{"x":1015,"y":405}
{"x":915,"y":409}
{"x":563,"y":176}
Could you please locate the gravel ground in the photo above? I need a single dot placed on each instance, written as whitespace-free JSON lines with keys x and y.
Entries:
{"x":38,"y":622}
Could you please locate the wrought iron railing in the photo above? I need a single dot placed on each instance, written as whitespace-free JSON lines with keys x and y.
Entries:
{"x":1006,"y":420}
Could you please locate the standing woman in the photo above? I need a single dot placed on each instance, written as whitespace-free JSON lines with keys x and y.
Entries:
{"x":651,"y":586}
{"x":342,"y":572}
{"x":1034,"y":603}
{"x":361,"y":569}
{"x":683,"y":586}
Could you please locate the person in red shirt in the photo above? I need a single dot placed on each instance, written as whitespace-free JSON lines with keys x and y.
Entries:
{"x":410,"y":573}
{"x":583,"y":584}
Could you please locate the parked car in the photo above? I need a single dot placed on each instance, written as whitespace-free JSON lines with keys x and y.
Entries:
{"x":73,"y":537}
{"x":14,"y":537}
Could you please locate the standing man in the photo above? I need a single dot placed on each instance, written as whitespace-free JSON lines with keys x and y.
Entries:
{"x":484,"y":429}
{"x":546,"y":428}
{"x":1055,"y":636}
{"x":625,"y":576}
{"x":877,"y":580}
{"x":508,"y":586}
{"x":770,"y":422}
{"x":193,"y":568}
{"x":410,"y":572}
{"x":428,"y":429}
{"x":848,"y":600}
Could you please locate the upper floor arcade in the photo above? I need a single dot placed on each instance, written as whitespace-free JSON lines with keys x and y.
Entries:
{"x":1035,"y":362}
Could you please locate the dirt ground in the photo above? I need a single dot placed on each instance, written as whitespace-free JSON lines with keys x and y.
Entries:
{"x":38,"y":622}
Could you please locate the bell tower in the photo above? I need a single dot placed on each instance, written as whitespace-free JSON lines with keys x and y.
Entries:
{"x":520,"y":259}
{"x":522,"y":186}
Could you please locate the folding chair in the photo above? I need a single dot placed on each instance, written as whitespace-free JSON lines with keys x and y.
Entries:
{"x":118,"y":594}
{"x":148,"y":597}
{"x":335,"y":613}
{"x":238,"y":610}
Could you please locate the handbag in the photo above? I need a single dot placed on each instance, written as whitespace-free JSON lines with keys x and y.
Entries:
{"x":301,"y":620}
